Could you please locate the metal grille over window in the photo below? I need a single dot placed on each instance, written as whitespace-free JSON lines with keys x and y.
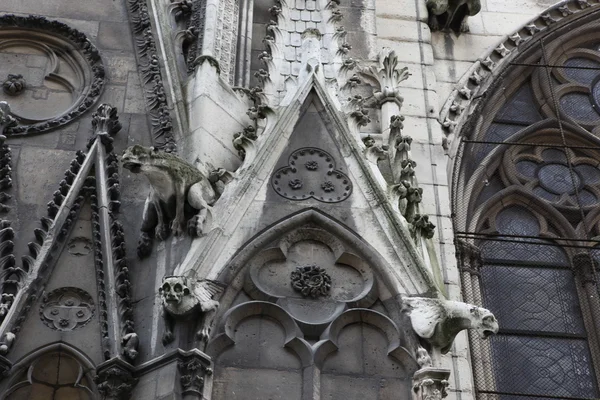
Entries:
{"x":526,"y":207}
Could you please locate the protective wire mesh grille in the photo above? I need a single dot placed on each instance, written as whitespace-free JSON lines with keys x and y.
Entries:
{"x":526,"y":197}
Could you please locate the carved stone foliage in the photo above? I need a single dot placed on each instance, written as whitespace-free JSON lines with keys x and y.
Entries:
{"x":326,"y":277}
{"x":451,"y":14}
{"x":67,"y":309}
{"x":14,"y":84}
{"x":192,"y":370}
{"x":64,"y":76}
{"x":6,"y":122}
{"x":385,"y":77}
{"x":311,"y":280}
{"x":152,"y":82}
{"x":115,"y":380}
{"x":311,"y":173}
{"x":431,"y":383}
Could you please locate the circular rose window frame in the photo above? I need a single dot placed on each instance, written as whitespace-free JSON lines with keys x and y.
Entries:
{"x":40,"y":28}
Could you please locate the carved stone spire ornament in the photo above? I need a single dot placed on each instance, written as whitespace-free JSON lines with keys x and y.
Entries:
{"x":385,"y":77}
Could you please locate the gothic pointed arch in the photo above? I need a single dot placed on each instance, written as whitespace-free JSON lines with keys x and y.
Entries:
{"x":525,"y":194}
{"x":57,"y":370}
{"x":308,"y":294}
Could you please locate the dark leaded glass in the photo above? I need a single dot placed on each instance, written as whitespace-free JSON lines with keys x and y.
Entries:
{"x":558,"y":179}
{"x":533,"y":299}
{"x":523,"y":249}
{"x":520,"y":108}
{"x":543,"y":366}
{"x":578,"y":106}
{"x":582,"y":70}
{"x":517,"y":220}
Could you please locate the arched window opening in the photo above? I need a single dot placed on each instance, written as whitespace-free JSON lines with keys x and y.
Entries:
{"x":525,"y":193}
{"x":55,"y":375}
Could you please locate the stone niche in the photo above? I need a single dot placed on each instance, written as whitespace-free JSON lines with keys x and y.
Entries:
{"x":50,"y":73}
{"x":306,"y":314}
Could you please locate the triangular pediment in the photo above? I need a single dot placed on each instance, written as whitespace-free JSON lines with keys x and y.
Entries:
{"x":308,"y":133}
{"x":73,"y":284}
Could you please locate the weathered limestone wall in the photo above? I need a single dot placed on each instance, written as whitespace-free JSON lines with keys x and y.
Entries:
{"x":39,"y":162}
{"x":437,"y":61}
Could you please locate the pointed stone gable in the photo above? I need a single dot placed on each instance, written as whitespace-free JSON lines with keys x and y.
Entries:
{"x":49,"y":290}
{"x":311,"y":131}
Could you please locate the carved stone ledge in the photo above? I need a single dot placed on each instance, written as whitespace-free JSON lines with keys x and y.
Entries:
{"x":115,"y":380}
{"x":430,"y":383}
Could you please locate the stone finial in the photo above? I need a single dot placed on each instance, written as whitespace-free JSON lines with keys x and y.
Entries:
{"x":439,"y":321}
{"x":385,"y":77}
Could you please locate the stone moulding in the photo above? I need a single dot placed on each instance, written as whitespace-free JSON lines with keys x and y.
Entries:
{"x":152,"y":82}
{"x":41,"y":29}
{"x":470,"y":89}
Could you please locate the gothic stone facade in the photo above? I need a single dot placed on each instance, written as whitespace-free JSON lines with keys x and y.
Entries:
{"x":299,"y":199}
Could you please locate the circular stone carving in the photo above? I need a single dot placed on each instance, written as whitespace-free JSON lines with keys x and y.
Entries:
{"x":60,"y":73}
{"x":311,"y":173}
{"x":311,"y":281}
{"x":67,"y":308}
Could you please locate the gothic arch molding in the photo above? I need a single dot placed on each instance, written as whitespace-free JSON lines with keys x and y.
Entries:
{"x":468,"y":98}
{"x":23,"y":372}
{"x":314,"y":217}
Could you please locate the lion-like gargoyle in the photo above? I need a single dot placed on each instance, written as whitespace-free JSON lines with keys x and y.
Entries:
{"x":182,"y":299}
{"x":177,"y":187}
{"x":451,"y":14}
{"x":439,"y":321}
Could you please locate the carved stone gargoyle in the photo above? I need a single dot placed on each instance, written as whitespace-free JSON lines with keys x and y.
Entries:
{"x":438,"y":321}
{"x":177,"y":188}
{"x":451,"y":14}
{"x":184,"y":299}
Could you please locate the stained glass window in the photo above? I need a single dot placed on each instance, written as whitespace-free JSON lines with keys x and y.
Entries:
{"x":527,"y":195}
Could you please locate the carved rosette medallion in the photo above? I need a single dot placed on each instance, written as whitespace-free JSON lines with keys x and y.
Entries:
{"x":311,"y":281}
{"x":66,"y":309}
{"x":311,"y":173}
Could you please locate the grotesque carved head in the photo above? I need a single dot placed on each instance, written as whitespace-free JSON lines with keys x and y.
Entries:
{"x":484,"y":322}
{"x":173,"y":290}
{"x":136,"y":157}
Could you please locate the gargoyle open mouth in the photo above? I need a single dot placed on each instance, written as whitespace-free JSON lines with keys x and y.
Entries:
{"x":487,"y":333}
{"x":133,"y":166}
